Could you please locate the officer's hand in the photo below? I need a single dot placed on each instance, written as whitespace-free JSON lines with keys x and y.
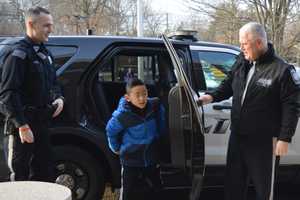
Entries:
{"x":281,"y":148}
{"x":60,"y":105}
{"x":205,"y":99}
{"x":26,"y":134}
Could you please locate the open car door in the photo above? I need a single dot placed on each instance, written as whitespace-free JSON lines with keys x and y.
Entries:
{"x":185,"y":126}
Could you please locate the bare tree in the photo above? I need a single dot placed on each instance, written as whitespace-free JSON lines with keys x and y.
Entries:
{"x":87,"y":10}
{"x":76,"y":16}
{"x":131,"y":17}
{"x":114,"y":17}
{"x":121,"y":15}
{"x":20,"y":6}
{"x":7,"y":20}
{"x":153,"y":20}
{"x":275,"y":15}
{"x":226,"y":17}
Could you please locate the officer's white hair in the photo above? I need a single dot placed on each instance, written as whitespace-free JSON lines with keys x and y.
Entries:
{"x":35,"y":12}
{"x":257,"y":31}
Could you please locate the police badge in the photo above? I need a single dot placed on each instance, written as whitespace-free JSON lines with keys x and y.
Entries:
{"x":295,"y":75}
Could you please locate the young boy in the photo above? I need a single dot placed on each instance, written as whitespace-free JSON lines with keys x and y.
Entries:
{"x":133,"y":133}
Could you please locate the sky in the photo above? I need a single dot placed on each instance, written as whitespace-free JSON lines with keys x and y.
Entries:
{"x":170,"y":6}
{"x":176,"y":10}
{"x":179,"y":13}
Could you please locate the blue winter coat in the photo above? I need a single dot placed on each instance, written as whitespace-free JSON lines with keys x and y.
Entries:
{"x":136,"y":137}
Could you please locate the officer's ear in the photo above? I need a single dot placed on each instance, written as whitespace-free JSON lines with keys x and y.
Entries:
{"x":29,"y":23}
{"x":259,"y":43}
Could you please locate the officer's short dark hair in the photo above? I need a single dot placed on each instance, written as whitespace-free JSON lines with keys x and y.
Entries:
{"x":133,"y":83}
{"x":36,"y":11}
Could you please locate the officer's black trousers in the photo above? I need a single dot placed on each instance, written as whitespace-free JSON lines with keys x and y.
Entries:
{"x":30,"y":161}
{"x":249,"y":159}
{"x":140,"y":183}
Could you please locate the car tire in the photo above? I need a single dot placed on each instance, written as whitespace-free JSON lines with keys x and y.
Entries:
{"x":79,"y":171}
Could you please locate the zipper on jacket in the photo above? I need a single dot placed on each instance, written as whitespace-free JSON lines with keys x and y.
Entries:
{"x":145,"y":152}
{"x":250,"y":83}
{"x":144,"y":119}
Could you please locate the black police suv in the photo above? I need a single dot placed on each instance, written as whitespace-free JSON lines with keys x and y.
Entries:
{"x":92,"y":71}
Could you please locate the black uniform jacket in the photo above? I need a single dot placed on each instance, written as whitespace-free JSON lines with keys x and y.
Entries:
{"x":271,"y":104}
{"x":28,"y":79}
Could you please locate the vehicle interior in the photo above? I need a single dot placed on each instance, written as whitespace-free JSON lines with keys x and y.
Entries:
{"x":154,"y":66}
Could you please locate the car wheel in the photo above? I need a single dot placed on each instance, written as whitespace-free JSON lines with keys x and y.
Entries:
{"x":79,"y":171}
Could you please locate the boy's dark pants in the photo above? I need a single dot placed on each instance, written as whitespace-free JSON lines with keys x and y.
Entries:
{"x":140,"y":183}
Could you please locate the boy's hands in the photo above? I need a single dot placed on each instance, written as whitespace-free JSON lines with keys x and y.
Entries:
{"x":117,"y":152}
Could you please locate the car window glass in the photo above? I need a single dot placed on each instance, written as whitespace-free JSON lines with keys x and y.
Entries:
{"x":2,"y":52}
{"x":215,"y":66}
{"x":61,"y":54}
{"x":124,"y":67}
{"x":152,"y":65}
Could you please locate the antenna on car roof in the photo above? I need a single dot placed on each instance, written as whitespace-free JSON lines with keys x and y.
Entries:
{"x":185,"y":35}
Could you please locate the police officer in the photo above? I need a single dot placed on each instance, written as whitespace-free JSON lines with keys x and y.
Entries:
{"x":265,"y":91}
{"x":29,"y":98}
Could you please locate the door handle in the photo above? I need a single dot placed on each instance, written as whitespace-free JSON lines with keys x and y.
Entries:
{"x":222,"y":107}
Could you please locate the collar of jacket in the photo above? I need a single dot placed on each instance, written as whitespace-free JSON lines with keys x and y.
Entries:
{"x":144,"y":113}
{"x":268,"y":56}
{"x":30,"y":42}
{"x":139,"y":111}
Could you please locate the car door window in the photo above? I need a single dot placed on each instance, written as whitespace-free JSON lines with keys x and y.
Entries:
{"x":124,"y":67}
{"x":216,"y":66}
{"x":153,"y":66}
{"x":61,"y":54}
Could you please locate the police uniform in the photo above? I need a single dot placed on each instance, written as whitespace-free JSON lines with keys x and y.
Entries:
{"x":28,"y":88}
{"x":265,"y":105}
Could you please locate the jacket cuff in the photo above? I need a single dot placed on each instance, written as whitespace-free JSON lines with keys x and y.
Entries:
{"x":113,"y":146}
{"x":285,"y":138}
{"x":286,"y":133}
{"x":60,"y":97}
{"x":18,"y":121}
{"x":114,"y":149}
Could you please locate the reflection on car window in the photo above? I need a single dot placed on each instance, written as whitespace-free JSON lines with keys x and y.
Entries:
{"x":2,"y":52}
{"x":124,"y":67}
{"x":61,"y":54}
{"x":215,"y":66}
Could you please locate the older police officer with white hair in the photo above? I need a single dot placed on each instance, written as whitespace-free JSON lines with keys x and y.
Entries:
{"x":264,"y":115}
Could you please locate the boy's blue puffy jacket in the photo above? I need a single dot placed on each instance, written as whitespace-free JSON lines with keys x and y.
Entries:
{"x":136,"y":137}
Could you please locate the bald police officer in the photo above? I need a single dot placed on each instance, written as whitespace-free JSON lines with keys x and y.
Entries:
{"x":29,"y":98}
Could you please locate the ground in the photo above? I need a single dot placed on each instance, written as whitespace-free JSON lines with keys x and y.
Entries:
{"x":282,"y":192}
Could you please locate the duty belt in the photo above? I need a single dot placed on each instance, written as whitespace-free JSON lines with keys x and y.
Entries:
{"x":40,"y":112}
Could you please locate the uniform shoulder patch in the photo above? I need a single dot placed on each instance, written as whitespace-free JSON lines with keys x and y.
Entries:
{"x":295,"y":75}
{"x":19,"y":53}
